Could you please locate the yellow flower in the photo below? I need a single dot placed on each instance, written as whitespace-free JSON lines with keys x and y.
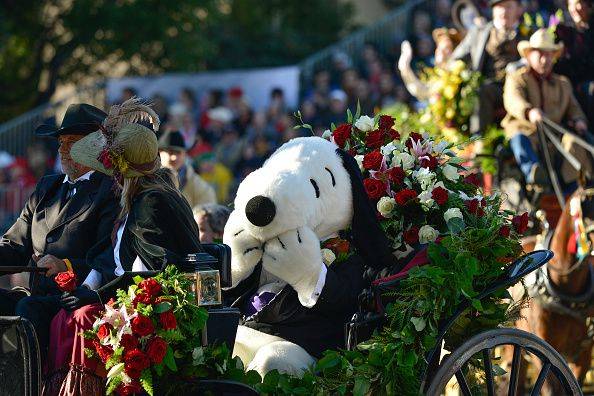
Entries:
{"x":458,"y":66}
{"x":449,"y":91}
{"x":450,"y":113}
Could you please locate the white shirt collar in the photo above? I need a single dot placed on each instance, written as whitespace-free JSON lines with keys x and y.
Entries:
{"x":86,"y":176}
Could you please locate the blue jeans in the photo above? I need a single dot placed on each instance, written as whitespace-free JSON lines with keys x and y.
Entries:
{"x":524,"y":153}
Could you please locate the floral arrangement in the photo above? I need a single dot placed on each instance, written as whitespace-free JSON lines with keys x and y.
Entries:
{"x":453,"y":98}
{"x":335,"y":250}
{"x":152,"y":330}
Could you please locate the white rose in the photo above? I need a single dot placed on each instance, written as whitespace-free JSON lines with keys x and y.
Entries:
{"x":405,"y":160}
{"x":452,"y":213}
{"x":328,"y":257}
{"x":327,"y":133}
{"x":427,"y":234}
{"x":425,"y":199}
{"x":365,"y":123}
{"x":385,"y":206}
{"x":359,"y":159}
{"x":451,"y":172}
{"x":425,"y":177}
{"x":388,"y":149}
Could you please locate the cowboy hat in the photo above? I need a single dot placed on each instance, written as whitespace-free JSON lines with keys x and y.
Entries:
{"x":541,"y":40}
{"x":122,"y":147}
{"x":80,"y":119}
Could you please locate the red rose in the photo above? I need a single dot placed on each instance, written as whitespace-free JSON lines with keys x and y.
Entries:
{"x":375,"y":188}
{"x":404,"y":196}
{"x":411,"y":236}
{"x":341,"y":134}
{"x":373,"y":160}
{"x":472,"y":206}
{"x":520,"y":223}
{"x":134,"y":362}
{"x":142,"y":297}
{"x":151,"y":287}
{"x":413,"y":137}
{"x":66,"y":281}
{"x":105,"y":159}
{"x":396,"y":175}
{"x":473,"y":179}
{"x":132,"y":388}
{"x":429,"y":162}
{"x":337,"y":245}
{"x":128,"y":342}
{"x":168,"y":321}
{"x":385,"y":122}
{"x":103,"y":351}
{"x":374,"y":139}
{"x":156,"y":349}
{"x":394,"y":134}
{"x":504,"y":231}
{"x":142,"y":326}
{"x":440,"y":195}
{"x":104,"y":331}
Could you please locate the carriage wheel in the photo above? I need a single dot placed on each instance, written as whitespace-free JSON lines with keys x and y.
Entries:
{"x":482,"y":345}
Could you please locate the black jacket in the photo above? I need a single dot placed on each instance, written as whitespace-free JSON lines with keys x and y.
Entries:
{"x":160,"y":229}
{"x":318,"y":328}
{"x":42,"y":228}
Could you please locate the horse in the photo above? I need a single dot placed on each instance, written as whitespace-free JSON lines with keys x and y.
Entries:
{"x":561,"y":310}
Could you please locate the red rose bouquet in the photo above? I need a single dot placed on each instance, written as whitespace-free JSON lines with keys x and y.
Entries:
{"x":150,"y":330}
{"x":66,"y":281}
{"x":418,"y":185}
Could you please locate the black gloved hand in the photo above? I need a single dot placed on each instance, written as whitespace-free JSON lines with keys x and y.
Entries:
{"x":79,"y":297}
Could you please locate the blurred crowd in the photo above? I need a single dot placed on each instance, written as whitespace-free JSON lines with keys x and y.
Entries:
{"x":223,"y":138}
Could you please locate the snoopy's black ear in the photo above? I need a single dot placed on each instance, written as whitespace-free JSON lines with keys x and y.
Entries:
{"x":368,"y":237}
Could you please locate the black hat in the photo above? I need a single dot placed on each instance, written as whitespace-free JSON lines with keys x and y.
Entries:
{"x":172,"y":141}
{"x":80,"y":119}
{"x":495,"y":2}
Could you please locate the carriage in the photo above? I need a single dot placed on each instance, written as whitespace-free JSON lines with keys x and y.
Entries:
{"x":20,"y":370}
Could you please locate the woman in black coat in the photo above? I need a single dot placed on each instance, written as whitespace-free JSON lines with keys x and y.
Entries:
{"x":155,"y":228}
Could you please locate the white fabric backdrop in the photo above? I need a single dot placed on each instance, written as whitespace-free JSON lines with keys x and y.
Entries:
{"x":256,"y":84}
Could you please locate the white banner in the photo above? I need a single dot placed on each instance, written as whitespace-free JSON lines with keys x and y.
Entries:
{"x":255,"y":83}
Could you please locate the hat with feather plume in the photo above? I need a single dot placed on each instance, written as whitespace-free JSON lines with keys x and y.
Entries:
{"x":122,"y":147}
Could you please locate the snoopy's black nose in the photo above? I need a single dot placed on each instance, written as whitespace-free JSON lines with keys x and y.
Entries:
{"x":260,"y":210}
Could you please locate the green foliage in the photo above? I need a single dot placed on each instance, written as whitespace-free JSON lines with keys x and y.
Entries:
{"x":44,"y":43}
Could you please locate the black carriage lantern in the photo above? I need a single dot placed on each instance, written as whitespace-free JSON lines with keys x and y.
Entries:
{"x":206,"y":280}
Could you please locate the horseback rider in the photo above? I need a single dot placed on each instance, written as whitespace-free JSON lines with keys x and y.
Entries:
{"x":533,"y":93}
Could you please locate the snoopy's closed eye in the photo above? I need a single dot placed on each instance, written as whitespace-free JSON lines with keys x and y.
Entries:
{"x":315,"y":186}
{"x":332,"y":176}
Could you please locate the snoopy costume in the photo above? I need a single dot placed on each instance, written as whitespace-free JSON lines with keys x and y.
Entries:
{"x":295,"y":306}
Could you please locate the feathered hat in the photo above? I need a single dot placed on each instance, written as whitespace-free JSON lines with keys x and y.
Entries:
{"x":122,"y":147}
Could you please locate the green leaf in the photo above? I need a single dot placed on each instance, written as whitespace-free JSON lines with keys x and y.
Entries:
{"x":137,"y":279}
{"x":477,"y":304}
{"x":358,"y":111}
{"x":328,"y":361}
{"x":169,"y":360}
{"x":456,"y":225}
{"x":361,"y":387}
{"x":162,"y":307}
{"x":146,"y":380}
{"x":419,"y":323}
{"x":349,"y":116}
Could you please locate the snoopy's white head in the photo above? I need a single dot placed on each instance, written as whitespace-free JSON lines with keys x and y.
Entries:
{"x":303,"y":184}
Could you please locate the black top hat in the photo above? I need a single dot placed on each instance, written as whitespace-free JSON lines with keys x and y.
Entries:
{"x":172,"y":141}
{"x":80,"y":119}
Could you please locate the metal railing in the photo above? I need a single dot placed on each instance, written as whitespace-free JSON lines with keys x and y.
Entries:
{"x":383,"y":34}
{"x":17,"y":134}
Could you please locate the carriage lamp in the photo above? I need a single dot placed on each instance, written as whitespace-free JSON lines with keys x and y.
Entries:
{"x":206,"y":281}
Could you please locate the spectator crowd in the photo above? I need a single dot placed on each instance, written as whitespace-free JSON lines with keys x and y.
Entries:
{"x":221,"y":138}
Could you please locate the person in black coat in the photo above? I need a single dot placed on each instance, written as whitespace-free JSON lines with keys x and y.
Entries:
{"x":155,"y":228}
{"x":64,"y":217}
